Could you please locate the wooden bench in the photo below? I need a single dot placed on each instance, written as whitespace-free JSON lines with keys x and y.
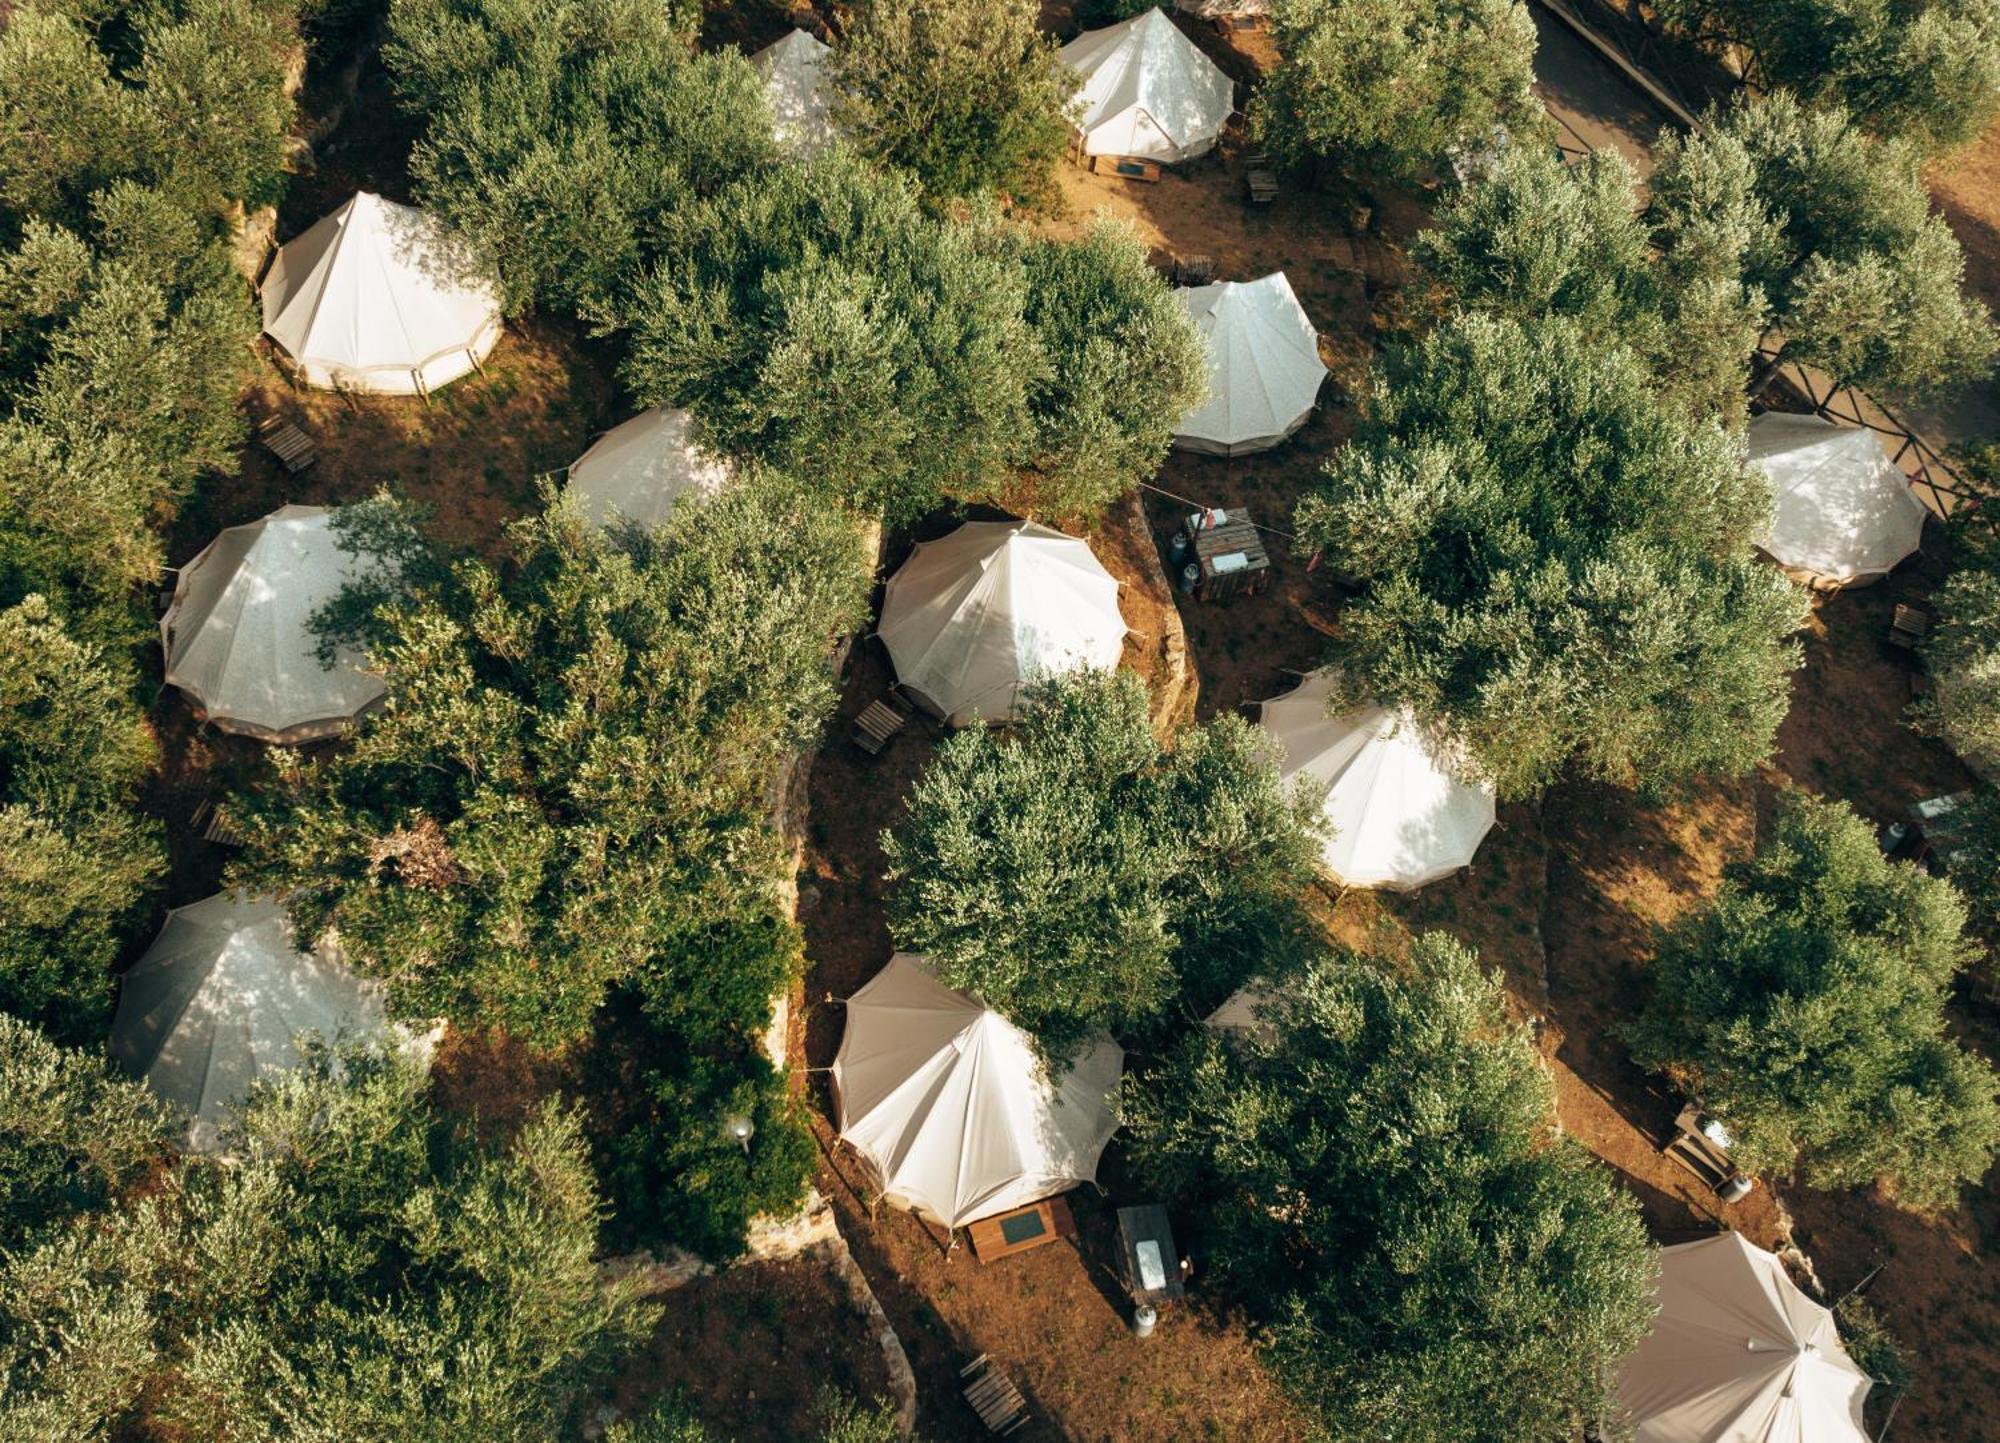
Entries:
{"x":292,"y":447}
{"x":1909,"y":626}
{"x":994,"y":1397}
{"x":1260,"y":180}
{"x":214,"y":827}
{"x":878,"y":725}
{"x":1020,"y":1231}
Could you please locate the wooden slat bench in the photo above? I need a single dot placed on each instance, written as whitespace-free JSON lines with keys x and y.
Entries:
{"x":292,"y":447}
{"x":878,"y":725}
{"x":994,"y":1397}
{"x":1909,"y":626}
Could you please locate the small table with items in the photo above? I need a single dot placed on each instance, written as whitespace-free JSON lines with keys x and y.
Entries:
{"x":1152,"y":1271}
{"x":1225,"y":556}
{"x":1024,"y":1228}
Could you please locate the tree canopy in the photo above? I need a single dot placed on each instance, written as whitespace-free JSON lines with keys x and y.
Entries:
{"x":76,"y":862}
{"x":1531,"y":236}
{"x":561,"y":138}
{"x":1926,"y":71}
{"x":1078,"y":876}
{"x":1962,"y":651}
{"x":965,"y":94}
{"x":1555,"y":562}
{"x":362,"y":1270}
{"x":1376,"y":1178}
{"x":1862,"y":278}
{"x":576,"y":763}
{"x":1391,"y":88}
{"x":1804,"y":1006}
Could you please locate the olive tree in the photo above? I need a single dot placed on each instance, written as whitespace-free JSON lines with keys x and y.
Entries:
{"x":1390,"y":87}
{"x":1555,"y":563}
{"x":1533,"y":237}
{"x":1377,"y":1178}
{"x":1080,"y":877}
{"x":968,"y":95}
{"x":1962,"y":652}
{"x":1927,"y":71}
{"x":1862,"y":278}
{"x":1804,"y":1005}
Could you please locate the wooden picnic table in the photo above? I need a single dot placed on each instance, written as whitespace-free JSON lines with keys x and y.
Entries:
{"x":1147,"y":1262}
{"x":1230,"y":556}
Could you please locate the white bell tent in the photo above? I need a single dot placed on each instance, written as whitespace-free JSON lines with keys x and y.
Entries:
{"x":1738,"y":1353}
{"x":1148,"y":91}
{"x":947,"y":1102}
{"x":972,"y":618}
{"x":1400,"y":818}
{"x":1247,"y":1012}
{"x":640,"y":468}
{"x":222,"y":997}
{"x":377,"y":297}
{"x":1843,"y":512}
{"x":1264,"y":370}
{"x":238,"y":638}
{"x":794,"y":71}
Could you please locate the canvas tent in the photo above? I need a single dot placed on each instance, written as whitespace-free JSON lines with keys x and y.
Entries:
{"x":1264,"y":369}
{"x":376,"y":297}
{"x":1147,"y":91}
{"x":1739,"y":1355}
{"x":221,"y":998}
{"x":1843,"y":511}
{"x":948,"y":1104}
{"x":795,"y":79}
{"x":1400,"y":818}
{"x":238,"y":638}
{"x":972,"y":618}
{"x":639,"y":469}
{"x":1246,"y":1011}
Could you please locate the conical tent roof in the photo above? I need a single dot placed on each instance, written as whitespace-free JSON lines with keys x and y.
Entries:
{"x":1843,"y":511}
{"x":973,"y":617}
{"x":795,"y":78}
{"x":949,"y":1104}
{"x":639,"y":469}
{"x":1739,"y":1355}
{"x":221,"y":998}
{"x":238,"y":638}
{"x":1148,"y":91}
{"x":1264,"y":369}
{"x":1400,"y":818}
{"x":376,"y":298}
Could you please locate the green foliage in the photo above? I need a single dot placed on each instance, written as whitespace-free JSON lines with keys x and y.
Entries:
{"x":1926,"y":71}
{"x":73,"y":1134}
{"x":683,"y":1053}
{"x":968,"y":95}
{"x":1837,"y":231}
{"x":562,"y":138}
{"x":1376,"y":1180}
{"x":1874,"y":1349}
{"x":1535,"y":237}
{"x":1556,"y":563}
{"x":1963,"y":652}
{"x":1804,"y":1005}
{"x":92,"y":94}
{"x":1974,"y":865}
{"x":671,"y":1419}
{"x":1389,"y":88}
{"x":847,"y":1420}
{"x":577,"y":762}
{"x":76,"y":863}
{"x":1124,"y":365}
{"x":361,"y":1271}
{"x":821,"y":321}
{"x":1078,"y":877}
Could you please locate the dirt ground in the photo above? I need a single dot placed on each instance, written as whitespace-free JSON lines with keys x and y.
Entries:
{"x":752,"y":1348}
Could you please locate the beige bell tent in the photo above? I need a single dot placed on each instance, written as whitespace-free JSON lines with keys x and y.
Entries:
{"x":1739,"y":1355}
{"x":376,"y":297}
{"x":222,"y":998}
{"x":1147,"y":91}
{"x":1843,"y":512}
{"x":1246,"y":1012}
{"x":238,"y":638}
{"x":1400,"y":818}
{"x":794,"y":72}
{"x":972,"y":618}
{"x":639,"y":469}
{"x":1264,"y":369}
{"x":946,"y":1101}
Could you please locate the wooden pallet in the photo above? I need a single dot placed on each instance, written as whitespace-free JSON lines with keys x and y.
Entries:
{"x":1910,"y":626}
{"x":292,"y":447}
{"x":879,"y":725}
{"x":994,"y":1397}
